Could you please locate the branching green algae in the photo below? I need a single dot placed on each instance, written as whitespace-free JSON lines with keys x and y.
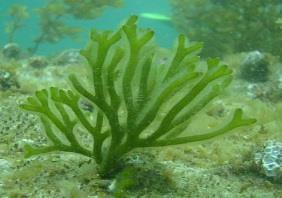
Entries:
{"x":137,"y":102}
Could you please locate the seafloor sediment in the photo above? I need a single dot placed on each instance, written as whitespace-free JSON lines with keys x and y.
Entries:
{"x":222,"y":167}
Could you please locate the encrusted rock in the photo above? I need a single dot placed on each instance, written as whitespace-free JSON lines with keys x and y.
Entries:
{"x":269,"y":160}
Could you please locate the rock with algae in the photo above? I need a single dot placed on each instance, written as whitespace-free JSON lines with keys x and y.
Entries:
{"x":8,"y":80}
{"x":255,"y":67}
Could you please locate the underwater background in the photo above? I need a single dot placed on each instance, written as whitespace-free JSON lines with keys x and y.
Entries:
{"x":141,"y":98}
{"x":109,"y":18}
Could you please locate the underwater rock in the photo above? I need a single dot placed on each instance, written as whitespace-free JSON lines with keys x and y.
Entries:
{"x":255,"y":67}
{"x":38,"y":62}
{"x":11,"y":50}
{"x":268,"y":92}
{"x":7,"y":80}
{"x":269,"y":160}
{"x":71,"y":56}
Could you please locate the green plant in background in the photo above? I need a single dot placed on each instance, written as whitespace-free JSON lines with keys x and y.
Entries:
{"x":137,"y":102}
{"x":53,"y":16}
{"x":18,"y":14}
{"x":231,"y":26}
{"x":52,"y":25}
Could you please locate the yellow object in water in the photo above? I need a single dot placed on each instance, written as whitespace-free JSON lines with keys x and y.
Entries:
{"x":155,"y":16}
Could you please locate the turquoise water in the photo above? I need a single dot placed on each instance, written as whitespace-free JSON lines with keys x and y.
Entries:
{"x":110,"y":18}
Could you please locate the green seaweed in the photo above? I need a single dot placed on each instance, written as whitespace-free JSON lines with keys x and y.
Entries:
{"x":137,"y":102}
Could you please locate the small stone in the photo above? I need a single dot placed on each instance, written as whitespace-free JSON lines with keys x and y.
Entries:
{"x":38,"y":62}
{"x":11,"y":50}
{"x":71,"y":56}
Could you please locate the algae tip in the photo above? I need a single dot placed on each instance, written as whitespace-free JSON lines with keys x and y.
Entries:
{"x":155,"y":16}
